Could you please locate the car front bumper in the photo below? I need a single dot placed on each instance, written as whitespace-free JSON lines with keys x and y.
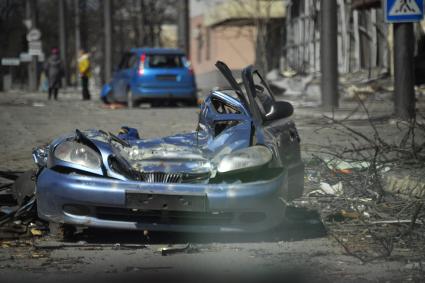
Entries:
{"x":109,"y":203}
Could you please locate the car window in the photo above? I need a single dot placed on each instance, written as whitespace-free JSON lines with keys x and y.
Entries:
{"x":229,"y":92}
{"x":224,"y":108}
{"x":263,"y":96}
{"x":133,"y":61}
{"x":128,"y":60}
{"x":165,"y":61}
{"x":124,"y":61}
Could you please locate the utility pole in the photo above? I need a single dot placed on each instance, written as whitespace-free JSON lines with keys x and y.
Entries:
{"x":329,"y":55}
{"x":402,"y":14}
{"x":404,"y":73}
{"x":108,"y":39}
{"x":77,"y":38}
{"x":31,"y":14}
{"x":183,"y":26}
{"x":62,"y":40}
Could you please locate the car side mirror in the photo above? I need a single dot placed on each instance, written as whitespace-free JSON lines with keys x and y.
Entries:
{"x":281,"y":110}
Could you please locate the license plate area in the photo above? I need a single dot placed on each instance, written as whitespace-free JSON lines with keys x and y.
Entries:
{"x":167,"y":202}
{"x":172,"y":78}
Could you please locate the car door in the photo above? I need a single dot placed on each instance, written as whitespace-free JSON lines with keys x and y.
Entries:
{"x":123,"y":76}
{"x":279,"y":130}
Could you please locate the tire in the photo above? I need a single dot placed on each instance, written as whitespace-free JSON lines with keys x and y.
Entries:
{"x":192,"y":102}
{"x":157,"y":103}
{"x":104,"y":100}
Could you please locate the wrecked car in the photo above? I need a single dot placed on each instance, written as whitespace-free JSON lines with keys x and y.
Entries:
{"x":235,"y":173}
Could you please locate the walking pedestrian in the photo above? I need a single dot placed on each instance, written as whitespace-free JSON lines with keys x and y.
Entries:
{"x":53,"y":69}
{"x":85,"y":73}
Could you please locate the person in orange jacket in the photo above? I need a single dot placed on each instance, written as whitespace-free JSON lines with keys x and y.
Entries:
{"x":85,"y":73}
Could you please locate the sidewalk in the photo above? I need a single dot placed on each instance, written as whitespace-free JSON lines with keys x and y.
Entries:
{"x":378,"y":106}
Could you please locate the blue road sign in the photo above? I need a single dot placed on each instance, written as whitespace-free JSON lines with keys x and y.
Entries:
{"x":400,"y":11}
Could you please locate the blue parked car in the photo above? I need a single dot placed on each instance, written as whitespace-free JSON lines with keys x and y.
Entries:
{"x":154,"y":75}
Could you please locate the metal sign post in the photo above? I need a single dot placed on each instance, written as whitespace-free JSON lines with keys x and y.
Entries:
{"x":402,"y":13}
{"x":329,"y":55}
{"x":31,"y":23}
{"x":7,"y":78}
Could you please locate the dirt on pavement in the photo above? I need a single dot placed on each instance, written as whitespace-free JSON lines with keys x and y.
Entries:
{"x":298,"y":251}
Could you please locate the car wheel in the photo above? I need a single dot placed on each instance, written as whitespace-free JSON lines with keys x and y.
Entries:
{"x":104,"y":100}
{"x":192,"y":102}
{"x":157,"y":103}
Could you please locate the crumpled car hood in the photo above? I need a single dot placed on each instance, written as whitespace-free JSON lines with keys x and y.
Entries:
{"x":184,"y":154}
{"x":167,"y":155}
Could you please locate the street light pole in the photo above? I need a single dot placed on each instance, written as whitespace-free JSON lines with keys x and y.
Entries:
{"x":62,"y":40}
{"x":183,"y":26}
{"x":329,"y":54}
{"x":404,"y":73}
{"x":30,"y":11}
{"x":77,"y":37}
{"x":108,"y":39}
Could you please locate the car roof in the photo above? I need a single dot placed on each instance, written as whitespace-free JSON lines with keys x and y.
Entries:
{"x":158,"y":50}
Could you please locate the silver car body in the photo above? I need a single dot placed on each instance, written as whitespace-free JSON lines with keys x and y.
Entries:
{"x":174,"y":183}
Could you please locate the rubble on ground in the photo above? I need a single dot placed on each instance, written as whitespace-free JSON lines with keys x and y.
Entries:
{"x":295,"y":85}
{"x":370,"y":193}
{"x":18,"y":217}
{"x":368,"y":225}
{"x":352,"y":86}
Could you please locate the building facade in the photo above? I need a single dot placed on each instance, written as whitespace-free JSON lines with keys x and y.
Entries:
{"x":237,"y":32}
{"x":364,"y":40}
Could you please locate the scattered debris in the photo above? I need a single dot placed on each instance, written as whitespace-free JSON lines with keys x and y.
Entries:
{"x":52,"y":245}
{"x":114,"y":106}
{"x":11,"y":175}
{"x":36,"y":232}
{"x":38,"y":104}
{"x":17,"y":206}
{"x":188,"y":248}
{"x":374,"y":209}
{"x":289,"y":83}
{"x":332,"y":190}
{"x":346,"y":167}
{"x":359,"y":92}
{"x":408,"y":185}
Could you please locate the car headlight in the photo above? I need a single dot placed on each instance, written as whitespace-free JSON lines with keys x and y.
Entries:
{"x":78,"y":153}
{"x":246,"y":158}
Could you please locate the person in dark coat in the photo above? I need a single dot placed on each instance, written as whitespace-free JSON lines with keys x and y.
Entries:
{"x":53,"y":68}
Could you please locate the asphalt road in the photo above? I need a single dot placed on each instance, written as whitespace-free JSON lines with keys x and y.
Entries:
{"x":296,"y":252}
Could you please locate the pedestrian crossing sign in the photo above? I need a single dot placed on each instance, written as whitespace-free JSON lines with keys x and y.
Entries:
{"x":398,"y":11}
